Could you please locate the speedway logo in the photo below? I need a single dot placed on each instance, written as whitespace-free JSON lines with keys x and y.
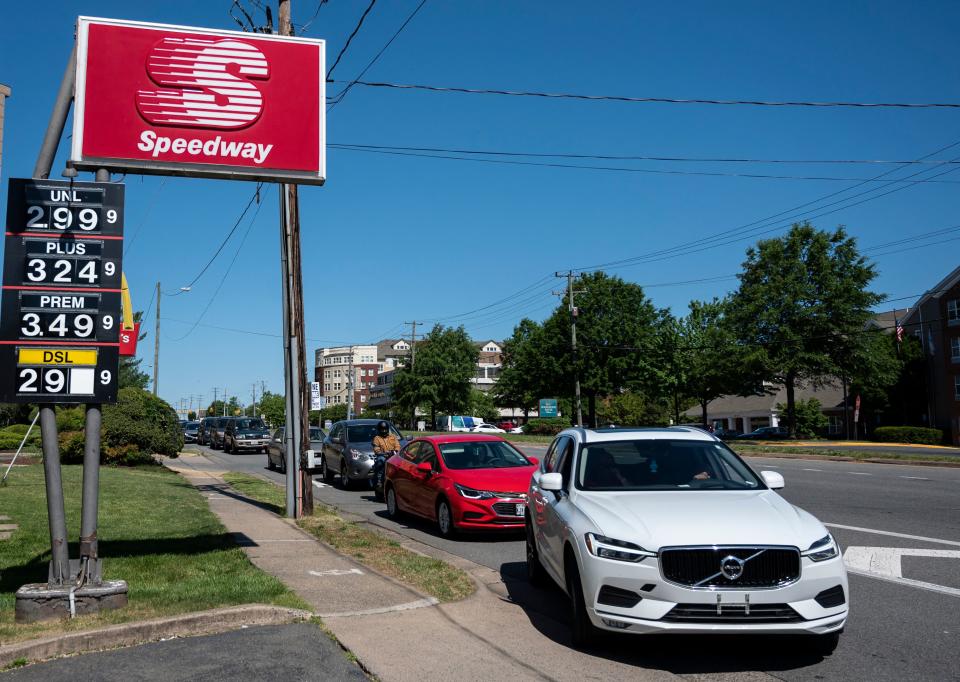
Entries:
{"x":199,"y":102}
{"x":209,"y":83}
{"x":157,"y":145}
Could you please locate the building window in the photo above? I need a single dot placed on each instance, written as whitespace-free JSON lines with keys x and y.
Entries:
{"x":835,"y":427}
{"x":956,"y":387}
{"x":326,"y":388}
{"x":363,"y":398}
{"x":336,"y":385}
{"x":955,"y":349}
{"x":336,"y":374}
{"x":953,"y":311}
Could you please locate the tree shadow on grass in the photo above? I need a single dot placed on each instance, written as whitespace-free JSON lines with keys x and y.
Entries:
{"x":225,"y":490}
{"x":35,"y":570}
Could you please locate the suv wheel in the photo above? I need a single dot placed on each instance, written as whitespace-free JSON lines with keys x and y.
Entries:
{"x":325,"y":470}
{"x":583,"y":632}
{"x":536,"y":574}
{"x":269,"y":462}
{"x":825,"y":644}
{"x":445,"y":519}
{"x":344,"y":476}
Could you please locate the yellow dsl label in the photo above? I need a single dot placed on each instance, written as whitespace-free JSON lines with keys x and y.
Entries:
{"x":52,"y":356}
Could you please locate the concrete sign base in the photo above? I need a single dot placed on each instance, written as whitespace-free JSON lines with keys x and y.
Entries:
{"x":38,"y":601}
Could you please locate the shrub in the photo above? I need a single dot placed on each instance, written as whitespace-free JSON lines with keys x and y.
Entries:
{"x":908,"y":434}
{"x":138,"y":426}
{"x":546,"y":427}
{"x":811,"y":421}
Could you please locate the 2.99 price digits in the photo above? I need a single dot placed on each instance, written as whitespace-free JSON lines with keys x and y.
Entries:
{"x":68,"y":217}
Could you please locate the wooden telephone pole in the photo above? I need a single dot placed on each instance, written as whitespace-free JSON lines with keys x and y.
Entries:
{"x":298,"y":392}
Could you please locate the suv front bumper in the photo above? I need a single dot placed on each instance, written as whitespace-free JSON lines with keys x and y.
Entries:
{"x":657,"y":598}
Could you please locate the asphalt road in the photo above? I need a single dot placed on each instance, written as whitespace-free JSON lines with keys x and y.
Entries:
{"x":898,"y":629}
{"x":939,"y":451}
{"x":274,"y":652}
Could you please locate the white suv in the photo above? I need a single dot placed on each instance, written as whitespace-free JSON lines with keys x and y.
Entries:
{"x":668,"y":530}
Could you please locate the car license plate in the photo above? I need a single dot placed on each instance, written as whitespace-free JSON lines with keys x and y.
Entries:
{"x":521,"y":509}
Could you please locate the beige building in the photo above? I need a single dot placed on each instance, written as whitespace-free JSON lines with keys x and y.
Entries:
{"x":344,"y":368}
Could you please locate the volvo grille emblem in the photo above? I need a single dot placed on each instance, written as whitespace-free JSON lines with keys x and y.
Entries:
{"x":731,"y":567}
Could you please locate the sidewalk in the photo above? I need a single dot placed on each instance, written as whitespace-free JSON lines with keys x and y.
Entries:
{"x":395,"y":632}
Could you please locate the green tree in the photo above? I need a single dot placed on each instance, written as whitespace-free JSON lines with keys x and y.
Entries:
{"x":802,"y":306}
{"x":192,"y":415}
{"x":617,"y":329}
{"x":272,"y":408}
{"x":524,"y":360}
{"x":632,"y":409}
{"x":811,"y":421}
{"x":483,"y":405}
{"x":713,"y":363}
{"x":334,"y":413}
{"x":439,"y":380}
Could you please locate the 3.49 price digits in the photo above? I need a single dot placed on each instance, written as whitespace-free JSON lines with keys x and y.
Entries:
{"x":61,"y":325}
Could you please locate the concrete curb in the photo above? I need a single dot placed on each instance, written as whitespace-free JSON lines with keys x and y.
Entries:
{"x":129,"y":634}
{"x":840,"y":458}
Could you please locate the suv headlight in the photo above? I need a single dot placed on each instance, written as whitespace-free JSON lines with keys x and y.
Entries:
{"x":608,"y":548}
{"x":472,"y":494}
{"x":357,"y":454}
{"x":823,"y":549}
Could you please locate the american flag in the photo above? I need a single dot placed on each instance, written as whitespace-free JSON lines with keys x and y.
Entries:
{"x":899,"y":327}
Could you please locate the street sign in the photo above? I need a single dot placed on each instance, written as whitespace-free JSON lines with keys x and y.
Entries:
{"x":177,"y":100}
{"x":317,"y":401}
{"x":61,"y":313}
{"x":548,"y":408}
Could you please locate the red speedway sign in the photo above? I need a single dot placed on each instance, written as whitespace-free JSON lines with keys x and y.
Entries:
{"x":175,"y":100}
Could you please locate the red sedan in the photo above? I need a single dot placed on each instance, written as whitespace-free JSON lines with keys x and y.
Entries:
{"x":461,"y":481}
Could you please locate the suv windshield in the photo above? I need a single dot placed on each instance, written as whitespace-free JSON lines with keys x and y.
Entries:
{"x":482,"y":455}
{"x":245,"y":424}
{"x":316,"y":433}
{"x":662,"y":465}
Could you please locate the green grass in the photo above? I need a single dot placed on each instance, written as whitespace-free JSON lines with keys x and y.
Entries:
{"x":760,"y":450}
{"x":431,"y":576}
{"x":156,"y":532}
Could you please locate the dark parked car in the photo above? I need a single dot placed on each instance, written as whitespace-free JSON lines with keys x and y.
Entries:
{"x":348,"y":450}
{"x":275,"y":458}
{"x":766,"y":433}
{"x":215,"y":432}
{"x":190,"y":432}
{"x":203,"y":431}
{"x":727,"y":434}
{"x":245,"y":433}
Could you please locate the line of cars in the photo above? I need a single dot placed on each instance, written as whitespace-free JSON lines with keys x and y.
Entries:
{"x":232,"y":434}
{"x":646,"y":530}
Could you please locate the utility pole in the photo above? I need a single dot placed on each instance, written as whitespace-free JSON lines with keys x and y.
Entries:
{"x":254,"y":398}
{"x":350,"y":386}
{"x":295,"y":354}
{"x":214,"y":404}
{"x":156,"y":345}
{"x":224,"y":401}
{"x":573,"y":342}
{"x":413,"y":357}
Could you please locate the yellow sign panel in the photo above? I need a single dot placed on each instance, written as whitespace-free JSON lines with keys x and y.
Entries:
{"x":56,"y":356}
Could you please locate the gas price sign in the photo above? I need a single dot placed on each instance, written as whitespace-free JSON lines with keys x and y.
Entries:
{"x":61,"y":309}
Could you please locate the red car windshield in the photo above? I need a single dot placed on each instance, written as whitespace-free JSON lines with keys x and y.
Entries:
{"x":494,"y":454}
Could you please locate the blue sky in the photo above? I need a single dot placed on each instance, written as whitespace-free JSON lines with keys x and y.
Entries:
{"x":395,"y":238}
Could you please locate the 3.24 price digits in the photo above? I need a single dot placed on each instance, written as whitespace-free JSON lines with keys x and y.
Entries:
{"x":82,"y":325}
{"x":57,"y":270}
{"x":85,"y":219}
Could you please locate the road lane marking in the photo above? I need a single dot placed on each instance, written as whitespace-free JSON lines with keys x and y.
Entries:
{"x":812,"y":469}
{"x":916,"y":478}
{"x":336,"y":571}
{"x":859,"y":473}
{"x":892,"y":534}
{"x":884,"y":563}
{"x":322,"y":485}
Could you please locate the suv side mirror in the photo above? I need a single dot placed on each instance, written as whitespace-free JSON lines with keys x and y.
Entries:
{"x":552,"y":481}
{"x":773,"y":479}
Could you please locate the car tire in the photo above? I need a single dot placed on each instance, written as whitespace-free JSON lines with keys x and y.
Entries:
{"x":448,"y":528}
{"x":536,"y":573}
{"x":345,"y":481}
{"x":378,"y":494}
{"x":826,"y":644}
{"x":393,"y":509}
{"x":582,"y":631}
{"x":269,"y":463}
{"x":325,"y":472}
{"x":283,"y":465}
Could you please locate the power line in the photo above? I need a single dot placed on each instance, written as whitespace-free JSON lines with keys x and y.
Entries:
{"x":653,"y":100}
{"x":619,"y":169}
{"x":350,"y":39}
{"x":143,"y":221}
{"x":223,"y":279}
{"x":343,"y":93}
{"x":304,"y":27}
{"x":255,"y":197}
{"x":618,"y":157}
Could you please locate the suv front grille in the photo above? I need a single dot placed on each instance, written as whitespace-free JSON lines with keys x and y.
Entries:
{"x":506,"y":509}
{"x":708,"y":613}
{"x":763,"y":567}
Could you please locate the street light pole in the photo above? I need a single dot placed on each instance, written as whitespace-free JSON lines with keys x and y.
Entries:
{"x":156,"y":345}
